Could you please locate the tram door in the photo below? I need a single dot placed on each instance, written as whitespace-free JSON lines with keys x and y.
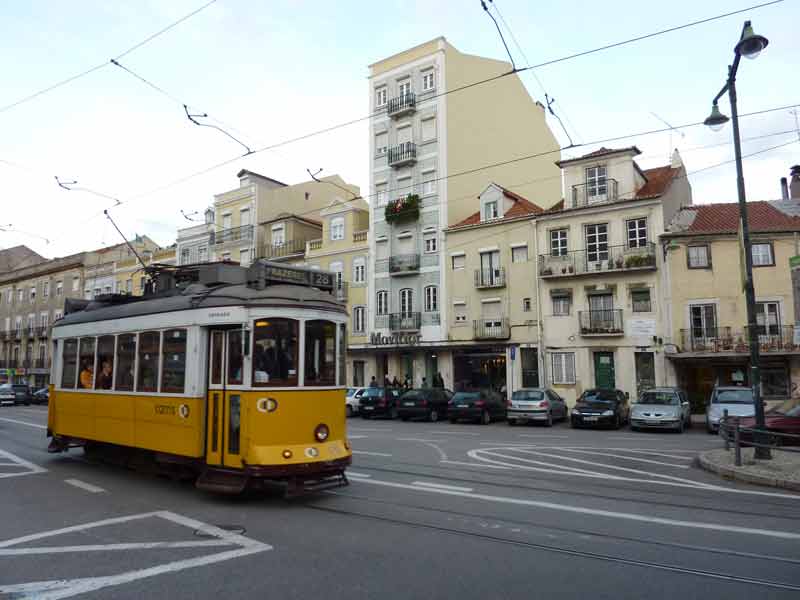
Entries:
{"x":224,"y":401}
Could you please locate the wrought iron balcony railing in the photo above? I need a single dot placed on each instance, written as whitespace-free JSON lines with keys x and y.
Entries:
{"x":491,"y":329}
{"x":402,"y":105}
{"x":403,"y":264}
{"x":585,"y":194}
{"x":41,"y":363}
{"x":405,"y":321}
{"x":234,"y":234}
{"x":772,"y":338}
{"x":402,"y":154}
{"x":601,"y":322}
{"x":490,"y":278}
{"x":603,"y":258}
{"x":43,"y":331}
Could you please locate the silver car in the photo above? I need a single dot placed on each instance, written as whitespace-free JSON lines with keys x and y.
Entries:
{"x":738,"y":401}
{"x":661,"y":408}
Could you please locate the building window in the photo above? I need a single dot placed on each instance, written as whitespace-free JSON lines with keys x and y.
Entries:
{"x":637,"y":233}
{"x":406,"y":301}
{"x":558,"y":242}
{"x":381,"y":195}
{"x":429,"y":183}
{"x":10,"y":296}
{"x":563,"y":367}
{"x":596,"y":184}
{"x":380,"y":96}
{"x":405,"y":88}
{"x":142,"y":280}
{"x":519,"y":254}
{"x":561,"y":305}
{"x":428,"y":129}
{"x":337,"y":228}
{"x":244,"y":256}
{"x":76,"y":284}
{"x":703,"y":320}
{"x":490,"y":210}
{"x":431,"y":244}
{"x":32,"y":294}
{"x":244,"y":217}
{"x":337,"y":268}
{"x":202,"y":254}
{"x":359,"y":270}
{"x":128,"y":286}
{"x":640,"y":300}
{"x":768,"y":318}
{"x":526,"y":305}
{"x":597,"y":242}
{"x":427,"y":81}
{"x":46,"y":289}
{"x":359,"y":319}
{"x":20,"y":295}
{"x":762,"y":255}
{"x":184,"y":256}
{"x":226,"y":221}
{"x":459,"y":260}
{"x":698,"y":257}
{"x":383,"y":303}
{"x":278,"y":235}
{"x":381,"y":142}
{"x":431,"y":298}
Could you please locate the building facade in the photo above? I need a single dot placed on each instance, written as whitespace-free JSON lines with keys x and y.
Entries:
{"x":129,"y":275}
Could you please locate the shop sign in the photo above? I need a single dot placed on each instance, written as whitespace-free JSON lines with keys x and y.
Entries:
{"x":396,"y":339}
{"x":12,"y":372}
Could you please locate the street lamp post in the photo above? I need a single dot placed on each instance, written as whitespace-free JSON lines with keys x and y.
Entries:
{"x":750,"y":45}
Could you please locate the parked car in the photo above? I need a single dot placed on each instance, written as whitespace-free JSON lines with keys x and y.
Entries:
{"x":352,"y":400}
{"x":784,"y":418}
{"x":15,"y":393}
{"x":662,"y":408}
{"x":536,"y":404}
{"x":41,"y":396}
{"x":425,"y":403}
{"x":379,"y":402}
{"x":738,"y":401}
{"x":480,"y":406}
{"x":601,"y":407}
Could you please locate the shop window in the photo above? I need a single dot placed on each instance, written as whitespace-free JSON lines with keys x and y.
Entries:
{"x":105,"y":362}
{"x":275,"y":352}
{"x":774,"y":382}
{"x":126,"y":357}
{"x":173,"y":362}
{"x":86,"y":362}
{"x":320,"y":354}
{"x":147,"y":379}
{"x":69,"y":369}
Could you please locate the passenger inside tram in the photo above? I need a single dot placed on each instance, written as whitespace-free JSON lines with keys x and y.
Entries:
{"x":105,"y":378}
{"x":87,"y":375}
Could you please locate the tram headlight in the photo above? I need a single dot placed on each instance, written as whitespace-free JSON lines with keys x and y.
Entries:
{"x":321,"y":432}
{"x":287,"y":454}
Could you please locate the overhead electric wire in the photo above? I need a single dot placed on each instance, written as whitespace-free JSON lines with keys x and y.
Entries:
{"x":105,"y":63}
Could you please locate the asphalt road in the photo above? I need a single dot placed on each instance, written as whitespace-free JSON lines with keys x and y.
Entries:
{"x":434,"y":510}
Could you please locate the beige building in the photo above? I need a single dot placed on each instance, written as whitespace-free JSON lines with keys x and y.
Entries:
{"x":600,"y":273}
{"x":424,"y":131}
{"x":706,"y":315}
{"x":129,"y":275}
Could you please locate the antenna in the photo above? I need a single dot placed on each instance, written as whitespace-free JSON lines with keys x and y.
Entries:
{"x":796,"y":124}
{"x":136,"y":254}
{"x":189,"y":216}
{"x":671,"y":129}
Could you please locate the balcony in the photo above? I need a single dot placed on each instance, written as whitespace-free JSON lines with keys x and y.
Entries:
{"x":234,"y":234}
{"x":32,"y":331}
{"x":601,"y":323}
{"x":314,"y":245}
{"x":287,"y":248}
{"x":608,"y":259}
{"x":404,"y":264}
{"x":43,"y":331}
{"x":41,"y":363}
{"x":490,"y":278}
{"x":775,"y":339}
{"x":340,"y":291}
{"x":18,"y":334}
{"x":585,"y":194}
{"x":5,"y":335}
{"x":491,"y":329}
{"x":402,"y":155}
{"x":405,"y":321}
{"x":360,"y":236}
{"x":402,"y":105}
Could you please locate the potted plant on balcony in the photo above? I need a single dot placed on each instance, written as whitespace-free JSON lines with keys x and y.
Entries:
{"x":619,"y":262}
{"x":547,"y":271}
{"x":402,"y":209}
{"x":571,"y":269}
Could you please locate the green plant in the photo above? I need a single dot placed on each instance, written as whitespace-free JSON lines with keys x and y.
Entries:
{"x":402,"y":209}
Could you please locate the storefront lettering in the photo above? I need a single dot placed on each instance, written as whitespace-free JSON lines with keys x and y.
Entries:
{"x":396,"y":339}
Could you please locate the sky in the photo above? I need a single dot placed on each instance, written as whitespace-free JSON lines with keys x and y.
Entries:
{"x":272,"y":71}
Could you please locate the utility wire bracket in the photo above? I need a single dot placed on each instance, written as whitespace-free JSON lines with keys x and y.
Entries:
{"x":65,"y":184}
{"x":193,"y":118}
{"x":550,"y":101}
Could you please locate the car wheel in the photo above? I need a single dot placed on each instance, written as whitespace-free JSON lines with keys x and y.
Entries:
{"x":549,"y":421}
{"x":618,"y":422}
{"x":680,"y":427}
{"x":709,"y":430}
{"x":365,"y":416}
{"x":433,"y":416}
{"x":633,"y":428}
{"x":486,"y":418}
{"x":453,"y":420}
{"x":511,"y":422}
{"x":404,"y":418}
{"x":393,"y":413}
{"x":349,"y":411}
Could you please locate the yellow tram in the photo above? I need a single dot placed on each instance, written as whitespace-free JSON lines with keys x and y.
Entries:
{"x":233,"y":374}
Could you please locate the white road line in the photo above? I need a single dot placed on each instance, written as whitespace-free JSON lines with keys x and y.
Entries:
{"x":106,"y":547}
{"x":32,"y":468}
{"x":360,"y":429}
{"x":650,"y":452}
{"x":356,"y":474}
{"x":370,"y":453}
{"x":649,"y":519}
{"x":356,"y":437}
{"x":632,"y":458}
{"x":441,"y":486}
{"x":543,"y":436}
{"x":424,"y":441}
{"x":472,"y":464}
{"x":455,"y":432}
{"x":18,"y":422}
{"x":10,"y":464}
{"x":85,"y":486}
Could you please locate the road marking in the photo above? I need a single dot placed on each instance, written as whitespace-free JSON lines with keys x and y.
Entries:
{"x":356,"y":474}
{"x":16,"y":461}
{"x":370,"y":453}
{"x":84,"y":486}
{"x":109,"y":547}
{"x":649,"y":519}
{"x":545,"y":435}
{"x":424,"y":441}
{"x":356,"y":437}
{"x":472,"y":464}
{"x":633,"y":458}
{"x":455,"y":432}
{"x":18,"y":422}
{"x":441,"y":486}
{"x":650,"y":452}
{"x":360,"y":429}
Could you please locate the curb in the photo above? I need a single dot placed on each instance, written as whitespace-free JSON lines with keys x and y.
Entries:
{"x":733,"y":473}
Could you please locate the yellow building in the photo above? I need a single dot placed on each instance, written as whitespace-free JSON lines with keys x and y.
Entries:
{"x":707,"y":316}
{"x":129,"y":274}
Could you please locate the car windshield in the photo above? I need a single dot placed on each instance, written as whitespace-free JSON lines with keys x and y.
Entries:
{"x":413,"y":394}
{"x":790,"y":408}
{"x":606,"y":396}
{"x":351,"y":392}
{"x":652,"y":397}
{"x":373,"y":393}
{"x":6,"y":387}
{"x":527,"y":395}
{"x":742,"y":396}
{"x":466,"y":396}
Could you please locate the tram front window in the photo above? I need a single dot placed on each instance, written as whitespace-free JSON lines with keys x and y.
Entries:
{"x":86,"y":361}
{"x":126,"y":358}
{"x":105,"y":362}
{"x":70,"y":368}
{"x":147,"y":380}
{"x":275,"y":352}
{"x":320,"y":353}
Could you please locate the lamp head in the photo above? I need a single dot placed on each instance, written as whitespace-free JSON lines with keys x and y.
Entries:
{"x":716,"y":119}
{"x":751,"y":44}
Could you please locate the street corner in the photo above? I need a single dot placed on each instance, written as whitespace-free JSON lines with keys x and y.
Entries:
{"x":782,"y":471}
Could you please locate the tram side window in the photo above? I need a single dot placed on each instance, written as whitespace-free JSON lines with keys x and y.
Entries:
{"x":275,"y":352}
{"x":70,"y":359}
{"x":147,"y":380}
{"x":86,"y":362}
{"x":320,"y":353}
{"x":173,"y":369}
{"x":105,"y":362}
{"x":126,"y":359}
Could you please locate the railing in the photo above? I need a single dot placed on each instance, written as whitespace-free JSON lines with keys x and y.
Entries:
{"x":731,"y":430}
{"x":491,"y":329}
{"x":405,"y":321}
{"x":585,"y":194}
{"x":340,"y":290}
{"x":776,"y":338}
{"x":4,"y":334}
{"x":402,"y":105}
{"x":431,"y":318}
{"x":403,"y":264}
{"x":41,"y":363}
{"x":402,"y":154}
{"x":18,"y":334}
{"x":314,"y":245}
{"x":490,"y":278}
{"x":32,"y":331}
{"x":287,"y":248}
{"x":601,"y":322}
{"x":360,"y":236}
{"x":603,"y":260}
{"x":234,"y":234}
{"x":42,"y":331}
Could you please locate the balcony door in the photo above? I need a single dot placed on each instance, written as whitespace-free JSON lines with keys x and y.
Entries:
{"x":768,"y":318}
{"x":490,"y":268}
{"x":601,"y":311}
{"x":596,"y":184}
{"x":704,"y":323}
{"x":596,"y":246}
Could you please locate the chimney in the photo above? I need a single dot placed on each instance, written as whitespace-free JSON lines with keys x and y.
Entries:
{"x":784,"y":189}
{"x":676,"y":162}
{"x":794,"y":185}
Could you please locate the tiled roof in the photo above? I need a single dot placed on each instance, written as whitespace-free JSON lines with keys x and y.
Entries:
{"x":658,"y":180}
{"x":522,"y":207}
{"x":724,"y":218}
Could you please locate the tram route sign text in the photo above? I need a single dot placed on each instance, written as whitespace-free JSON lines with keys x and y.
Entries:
{"x":397,"y":339}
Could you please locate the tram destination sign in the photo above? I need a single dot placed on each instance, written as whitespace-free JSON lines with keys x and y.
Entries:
{"x":396,"y":339}
{"x":309,"y":277}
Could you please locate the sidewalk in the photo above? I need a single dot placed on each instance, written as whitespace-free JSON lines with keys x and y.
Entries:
{"x":783,"y":471}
